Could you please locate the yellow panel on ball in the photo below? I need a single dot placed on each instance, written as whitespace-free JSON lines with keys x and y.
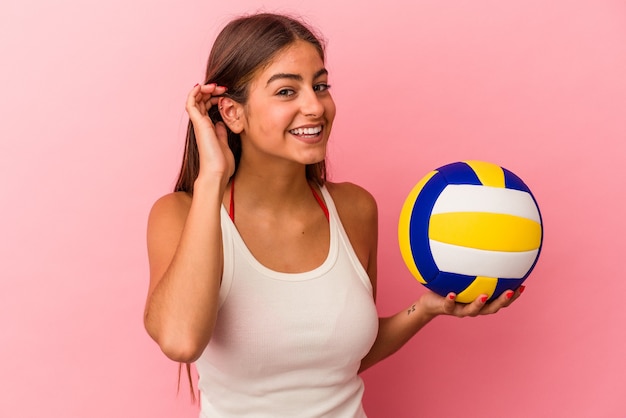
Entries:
{"x":480,"y":286}
{"x":486,"y":231}
{"x":489,"y":174}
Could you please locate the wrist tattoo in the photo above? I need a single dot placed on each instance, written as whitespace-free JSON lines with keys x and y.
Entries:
{"x":411,"y":309}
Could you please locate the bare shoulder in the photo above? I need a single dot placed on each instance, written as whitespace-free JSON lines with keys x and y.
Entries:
{"x":172,"y":204}
{"x":353,"y":202}
{"x":165,"y":226}
{"x":167,"y":217}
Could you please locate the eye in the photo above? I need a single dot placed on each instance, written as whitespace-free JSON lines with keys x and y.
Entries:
{"x":285,"y":92}
{"x":321,"y":87}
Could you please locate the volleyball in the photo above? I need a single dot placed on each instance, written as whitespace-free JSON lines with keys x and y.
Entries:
{"x":471,"y":228}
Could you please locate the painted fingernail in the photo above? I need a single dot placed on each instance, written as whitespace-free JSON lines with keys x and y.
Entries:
{"x":521,"y":289}
{"x":196,"y":85}
{"x":484,"y":299}
{"x":451,"y":297}
{"x":509,"y":294}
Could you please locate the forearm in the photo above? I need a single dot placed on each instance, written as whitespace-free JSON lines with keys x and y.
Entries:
{"x":395,"y":331}
{"x":182,"y":308}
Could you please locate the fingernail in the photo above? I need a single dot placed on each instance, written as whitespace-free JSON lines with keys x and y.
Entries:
{"x":509,"y":294}
{"x":521,"y":289}
{"x":451,"y":297}
{"x":484,"y":299}
{"x":196,"y":85}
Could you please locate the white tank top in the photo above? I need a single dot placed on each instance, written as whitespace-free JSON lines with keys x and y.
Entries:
{"x":288,"y":345}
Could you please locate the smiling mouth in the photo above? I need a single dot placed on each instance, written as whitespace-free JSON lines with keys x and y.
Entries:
{"x":306,"y":132}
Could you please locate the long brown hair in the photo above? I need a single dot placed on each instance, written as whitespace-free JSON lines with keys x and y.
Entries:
{"x":245,"y":46}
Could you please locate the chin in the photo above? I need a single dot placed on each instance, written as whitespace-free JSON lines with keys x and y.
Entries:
{"x":314,"y":159}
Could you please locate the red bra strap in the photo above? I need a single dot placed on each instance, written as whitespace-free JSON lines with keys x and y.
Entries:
{"x":320,"y":201}
{"x":231,"y":211}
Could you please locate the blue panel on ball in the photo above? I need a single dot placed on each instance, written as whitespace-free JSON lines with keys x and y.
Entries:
{"x":445,"y":283}
{"x":511,"y":181}
{"x":459,"y":173}
{"x":506,"y":284}
{"x":420,"y":218}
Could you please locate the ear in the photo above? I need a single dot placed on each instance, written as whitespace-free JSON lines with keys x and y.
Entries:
{"x":231,"y":112}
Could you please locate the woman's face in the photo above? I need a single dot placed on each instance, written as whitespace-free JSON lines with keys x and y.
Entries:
{"x":289,"y":113}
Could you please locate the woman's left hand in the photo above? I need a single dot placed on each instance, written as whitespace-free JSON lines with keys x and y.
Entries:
{"x":439,"y":305}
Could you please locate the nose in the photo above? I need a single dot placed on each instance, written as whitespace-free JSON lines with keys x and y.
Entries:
{"x":311,"y":104}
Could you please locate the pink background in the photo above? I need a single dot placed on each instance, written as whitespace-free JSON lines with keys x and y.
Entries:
{"x":92,"y":133}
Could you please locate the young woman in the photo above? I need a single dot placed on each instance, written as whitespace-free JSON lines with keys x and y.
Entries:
{"x":261,"y":271}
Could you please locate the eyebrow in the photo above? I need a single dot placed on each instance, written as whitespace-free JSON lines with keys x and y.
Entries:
{"x":296,"y":77}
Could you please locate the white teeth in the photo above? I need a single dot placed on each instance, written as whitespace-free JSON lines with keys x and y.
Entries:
{"x":306,"y":131}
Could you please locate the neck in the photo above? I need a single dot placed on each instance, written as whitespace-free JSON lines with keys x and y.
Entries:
{"x":271,"y":173}
{"x":271,"y":190}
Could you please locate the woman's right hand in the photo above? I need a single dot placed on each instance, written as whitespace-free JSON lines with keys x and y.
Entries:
{"x":216,"y":158}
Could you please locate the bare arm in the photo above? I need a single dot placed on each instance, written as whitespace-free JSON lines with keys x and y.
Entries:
{"x":397,"y":330}
{"x":185,"y":245}
{"x":185,"y":256}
